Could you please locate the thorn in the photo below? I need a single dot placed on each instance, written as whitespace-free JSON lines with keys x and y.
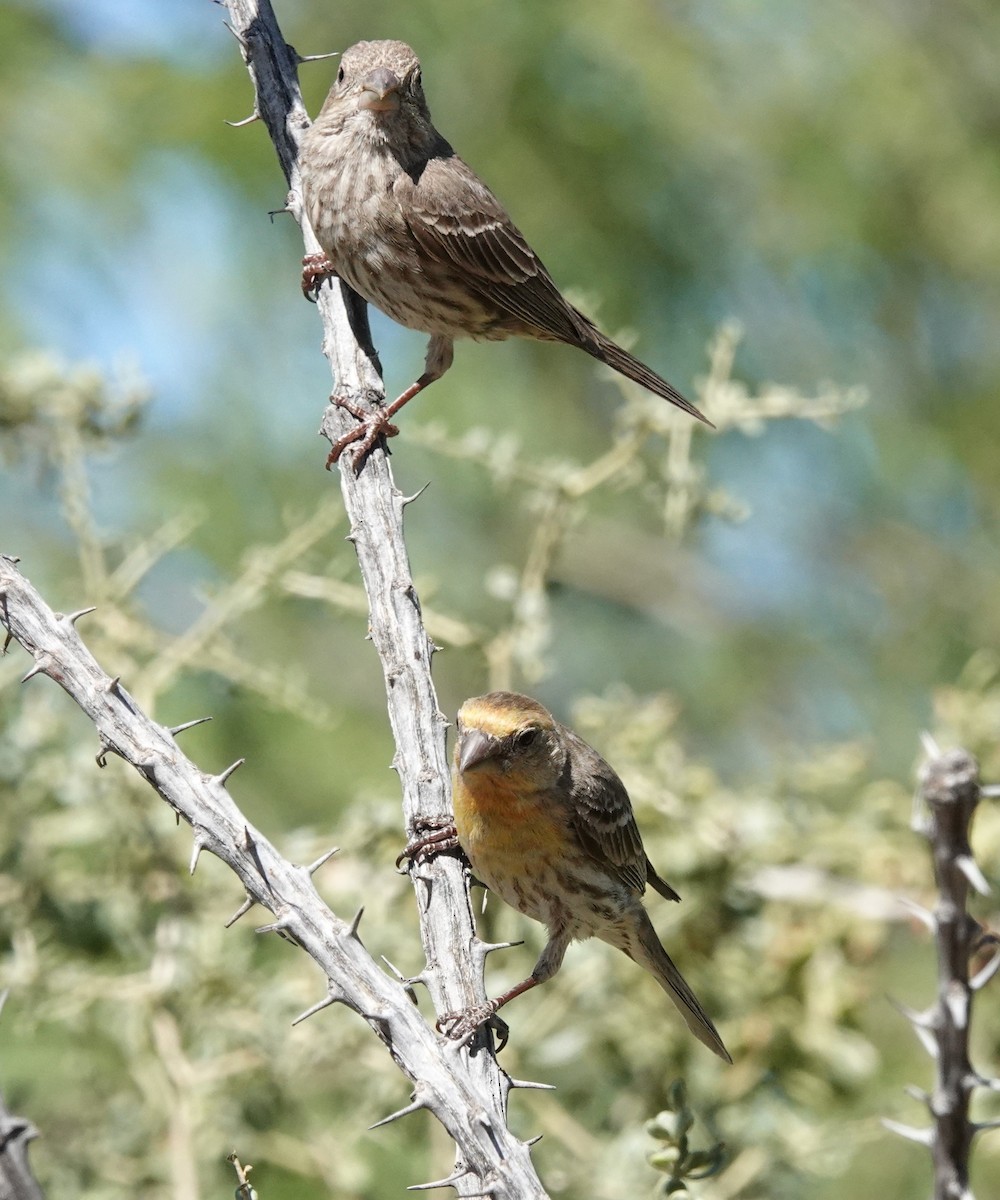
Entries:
{"x":304,"y":58}
{"x":221,"y":779}
{"x":923,"y":1025}
{"x":975,"y":1080}
{"x":278,"y":926}
{"x":535,"y":1140}
{"x":406,"y":501}
{"x":102,"y":755}
{"x":403,"y":979}
{"x":148,"y":769}
{"x":924,"y":915}
{"x":37,"y":669}
{"x":251,"y":846}
{"x":353,"y":931}
{"x":917,"y":1093}
{"x":931,"y":748}
{"x":439,"y":1183}
{"x":254,"y":116}
{"x":275,"y":212}
{"x":196,"y":850}
{"x":921,"y":1020}
{"x":970,"y":869}
{"x":992,"y":790}
{"x":7,"y":641}
{"x":483,"y":949}
{"x":956,"y":1001}
{"x":414,"y":1106}
{"x":924,"y":1136}
{"x":325,"y":858}
{"x":380,"y":1021}
{"x":979,"y":1126}
{"x":115,"y":689}
{"x":239,"y":37}
{"x":73,"y":617}
{"x":530,"y":1083}
{"x":242,"y":911}
{"x":176,"y":729}
{"x":927,"y":1040}
{"x":311,"y":1012}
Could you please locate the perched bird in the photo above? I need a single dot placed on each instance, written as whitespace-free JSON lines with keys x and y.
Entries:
{"x":547,"y":825}
{"x":411,"y":228}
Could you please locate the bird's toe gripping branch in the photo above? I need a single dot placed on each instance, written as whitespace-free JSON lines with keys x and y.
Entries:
{"x":374,"y":424}
{"x":461,"y":1025}
{"x":316,"y":269}
{"x":431,"y":836}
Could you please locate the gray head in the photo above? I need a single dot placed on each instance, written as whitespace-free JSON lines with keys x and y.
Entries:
{"x":378,"y":94}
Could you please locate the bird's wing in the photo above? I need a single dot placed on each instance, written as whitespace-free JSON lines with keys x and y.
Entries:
{"x":602,"y":815}
{"x":453,"y":215}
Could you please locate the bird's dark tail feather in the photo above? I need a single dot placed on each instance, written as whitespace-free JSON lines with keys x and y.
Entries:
{"x":648,"y":953}
{"x":607,"y":351}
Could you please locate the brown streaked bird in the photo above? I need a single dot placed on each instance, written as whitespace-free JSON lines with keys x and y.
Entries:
{"x":547,"y":825}
{"x":411,"y":228}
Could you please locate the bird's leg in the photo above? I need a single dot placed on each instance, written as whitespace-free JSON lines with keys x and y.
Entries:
{"x":378,"y":422}
{"x":315,"y":269}
{"x":458,"y":1025}
{"x":431,"y":836}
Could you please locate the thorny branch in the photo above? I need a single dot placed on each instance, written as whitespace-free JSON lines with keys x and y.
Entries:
{"x":462,"y":1085}
{"x":454,"y":956}
{"x":442,"y":1074}
{"x":948,"y":795}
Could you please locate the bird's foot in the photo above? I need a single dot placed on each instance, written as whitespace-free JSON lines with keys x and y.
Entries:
{"x":459,"y":1025}
{"x":431,"y":836}
{"x":374,"y":424}
{"x":315,"y":269}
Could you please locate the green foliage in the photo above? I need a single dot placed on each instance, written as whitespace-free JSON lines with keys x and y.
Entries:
{"x":675,"y":1158}
{"x":125,"y":982}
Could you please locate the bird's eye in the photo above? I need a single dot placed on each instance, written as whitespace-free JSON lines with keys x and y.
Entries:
{"x":525,"y":738}
{"x":340,"y":75}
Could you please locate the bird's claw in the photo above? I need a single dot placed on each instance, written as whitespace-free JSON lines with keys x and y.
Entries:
{"x":374,"y":424}
{"x":316,"y":268}
{"x":459,"y":1025}
{"x":432,"y":835}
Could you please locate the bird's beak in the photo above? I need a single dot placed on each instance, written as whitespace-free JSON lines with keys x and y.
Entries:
{"x":380,"y":91}
{"x":475,"y":747}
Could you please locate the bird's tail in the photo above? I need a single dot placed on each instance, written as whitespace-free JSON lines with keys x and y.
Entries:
{"x":645,"y":949}
{"x":609,"y":352}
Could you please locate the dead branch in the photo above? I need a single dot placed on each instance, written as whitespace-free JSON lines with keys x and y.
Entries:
{"x":949,"y":793}
{"x":446,"y":1079}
